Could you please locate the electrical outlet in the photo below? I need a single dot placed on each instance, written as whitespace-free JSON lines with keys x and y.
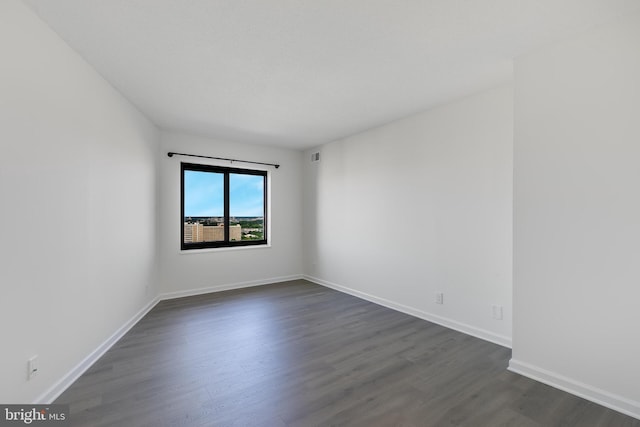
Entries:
{"x":32,"y":367}
{"x":497,"y":312}
{"x":439,"y":298}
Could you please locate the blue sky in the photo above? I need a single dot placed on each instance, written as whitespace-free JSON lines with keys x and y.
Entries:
{"x":203,"y":194}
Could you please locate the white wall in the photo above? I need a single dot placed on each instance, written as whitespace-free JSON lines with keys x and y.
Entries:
{"x":77,"y":194}
{"x":395,"y":214}
{"x":420,"y":206}
{"x":194,"y":271}
{"x":577,"y":215}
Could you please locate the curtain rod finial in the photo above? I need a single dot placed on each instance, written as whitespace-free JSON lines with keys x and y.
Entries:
{"x":170,"y":154}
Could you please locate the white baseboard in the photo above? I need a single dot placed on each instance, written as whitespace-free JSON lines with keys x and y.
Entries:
{"x":596,"y":395}
{"x":227,"y":287}
{"x":58,"y":388}
{"x":443,"y":321}
{"x":586,"y":391}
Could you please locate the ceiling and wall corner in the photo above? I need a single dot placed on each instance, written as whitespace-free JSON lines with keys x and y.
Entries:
{"x":301,"y":73}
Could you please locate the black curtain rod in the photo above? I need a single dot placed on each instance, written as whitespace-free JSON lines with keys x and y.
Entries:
{"x":171,"y":154}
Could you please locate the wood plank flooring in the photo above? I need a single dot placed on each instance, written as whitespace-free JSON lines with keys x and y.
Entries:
{"x":299,"y":354}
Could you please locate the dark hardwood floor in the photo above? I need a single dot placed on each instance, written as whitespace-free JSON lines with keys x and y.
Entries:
{"x":299,"y":354}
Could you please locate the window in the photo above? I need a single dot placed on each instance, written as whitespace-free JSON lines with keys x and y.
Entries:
{"x":222,"y":207}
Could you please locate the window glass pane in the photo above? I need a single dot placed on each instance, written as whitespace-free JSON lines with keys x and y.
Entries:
{"x":246,"y":207}
{"x":203,"y":206}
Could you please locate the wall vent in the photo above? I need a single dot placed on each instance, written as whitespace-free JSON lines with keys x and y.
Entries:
{"x":315,"y":157}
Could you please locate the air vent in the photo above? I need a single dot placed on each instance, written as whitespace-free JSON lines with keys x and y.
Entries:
{"x":315,"y":157}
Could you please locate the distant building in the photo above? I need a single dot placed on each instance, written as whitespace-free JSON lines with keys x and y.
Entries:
{"x":196,"y":232}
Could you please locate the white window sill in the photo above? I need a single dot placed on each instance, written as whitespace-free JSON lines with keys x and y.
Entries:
{"x":233,"y":248}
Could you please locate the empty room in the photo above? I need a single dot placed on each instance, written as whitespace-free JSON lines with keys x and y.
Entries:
{"x":320,"y":213}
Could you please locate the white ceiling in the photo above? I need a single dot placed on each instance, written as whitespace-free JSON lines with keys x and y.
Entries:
{"x":298,"y":73}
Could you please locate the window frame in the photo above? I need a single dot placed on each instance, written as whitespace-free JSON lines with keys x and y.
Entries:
{"x":226,"y":171}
